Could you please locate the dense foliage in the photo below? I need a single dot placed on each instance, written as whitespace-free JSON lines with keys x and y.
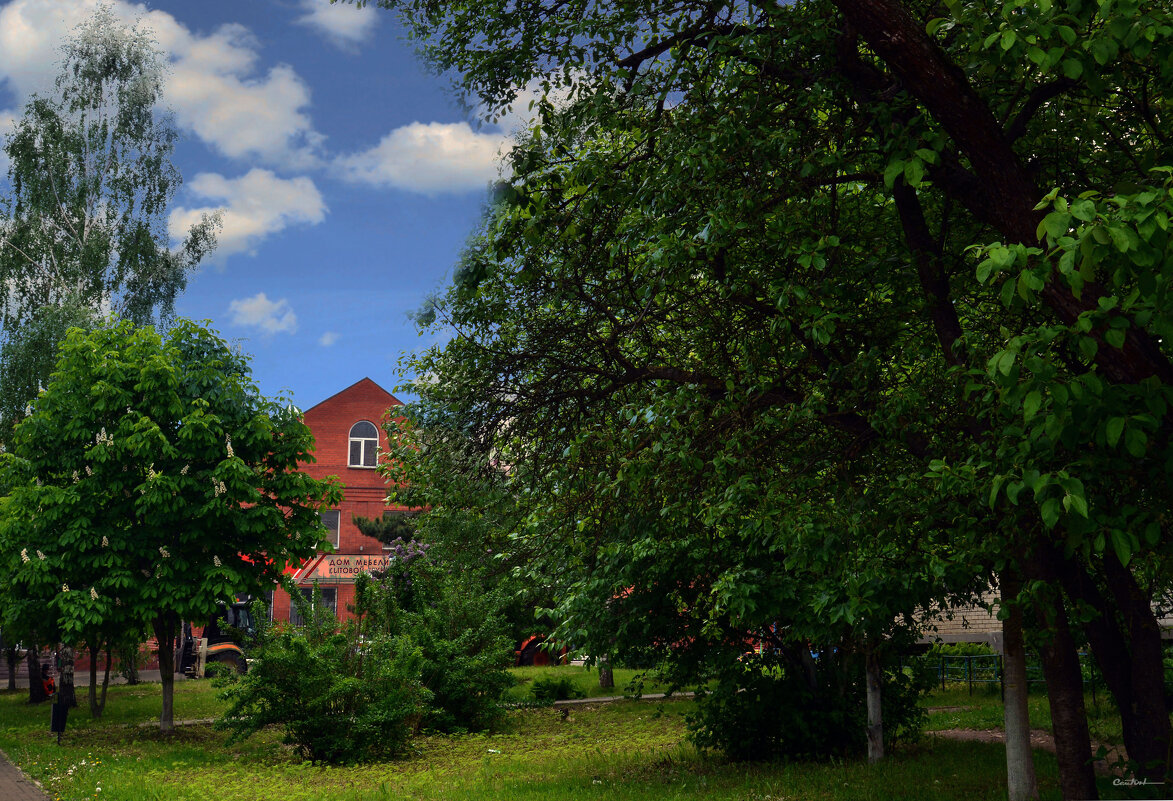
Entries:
{"x":84,"y":217}
{"x":149,"y":481}
{"x":812,"y":314}
{"x":763,"y":707}
{"x":338,"y":699}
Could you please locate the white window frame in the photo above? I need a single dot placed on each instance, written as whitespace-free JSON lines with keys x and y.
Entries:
{"x":366,"y":442}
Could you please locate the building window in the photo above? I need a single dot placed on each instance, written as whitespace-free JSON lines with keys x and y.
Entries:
{"x":331,"y":519}
{"x":364,"y":444}
{"x":329,"y":600}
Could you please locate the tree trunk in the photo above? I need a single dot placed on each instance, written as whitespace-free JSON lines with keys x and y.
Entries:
{"x":1130,"y":660}
{"x":606,"y":675}
{"x":66,"y":692}
{"x":1145,"y":719}
{"x":95,"y":711}
{"x":875,"y":709}
{"x":13,"y":660}
{"x":36,"y":686}
{"x":1073,"y":745}
{"x":1021,"y":783}
{"x":105,"y":683}
{"x":165,"y":636}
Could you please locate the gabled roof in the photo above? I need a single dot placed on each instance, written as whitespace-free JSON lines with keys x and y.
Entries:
{"x":391,"y":399}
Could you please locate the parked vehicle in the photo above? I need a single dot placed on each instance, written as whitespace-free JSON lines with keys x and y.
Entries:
{"x":223,"y":641}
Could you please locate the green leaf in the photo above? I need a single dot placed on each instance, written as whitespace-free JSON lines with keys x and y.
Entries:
{"x":1031,"y":404}
{"x":1115,"y":337}
{"x":1122,"y":546}
{"x":1114,"y":429}
{"x":1136,"y":442}
{"x":1049,"y":511}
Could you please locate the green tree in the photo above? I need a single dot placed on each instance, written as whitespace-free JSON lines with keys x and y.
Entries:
{"x":766,"y":256}
{"x":150,"y":481}
{"x":83,"y":227}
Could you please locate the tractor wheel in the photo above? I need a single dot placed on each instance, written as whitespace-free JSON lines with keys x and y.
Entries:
{"x":230,"y":662}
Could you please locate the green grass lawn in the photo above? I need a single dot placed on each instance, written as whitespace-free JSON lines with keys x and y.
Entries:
{"x":586,"y":679}
{"x":624,"y":750}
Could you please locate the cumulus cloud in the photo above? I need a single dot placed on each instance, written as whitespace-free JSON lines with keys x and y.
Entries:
{"x":214,"y":87}
{"x":272,"y":317}
{"x":344,"y":25}
{"x":431,"y":158}
{"x":253,"y":207}
{"x":327,"y":339}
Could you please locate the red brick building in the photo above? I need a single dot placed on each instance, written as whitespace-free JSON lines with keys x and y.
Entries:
{"x":348,"y":436}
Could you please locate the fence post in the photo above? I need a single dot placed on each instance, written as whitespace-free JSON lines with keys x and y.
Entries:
{"x":969,"y":673}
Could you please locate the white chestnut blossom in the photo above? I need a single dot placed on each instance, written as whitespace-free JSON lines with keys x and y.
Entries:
{"x":40,"y":555}
{"x":216,"y":561}
{"x":93,"y":594}
{"x":65,"y":588}
{"x":164,"y":552}
{"x":24,"y":554}
{"x":229,"y":441}
{"x":105,"y":542}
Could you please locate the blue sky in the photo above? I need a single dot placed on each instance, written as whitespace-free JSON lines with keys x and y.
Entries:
{"x":347,"y":174}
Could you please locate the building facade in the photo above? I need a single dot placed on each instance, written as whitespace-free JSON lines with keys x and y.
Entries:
{"x":348,"y":435}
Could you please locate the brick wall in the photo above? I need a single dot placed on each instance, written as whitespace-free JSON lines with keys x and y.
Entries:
{"x":364,"y":488}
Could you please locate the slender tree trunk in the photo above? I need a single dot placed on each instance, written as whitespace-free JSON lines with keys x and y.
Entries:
{"x":606,"y":674}
{"x":875,"y":708}
{"x":165,"y":635}
{"x":95,"y":711}
{"x":66,"y":692}
{"x":1073,"y":745}
{"x":36,"y":686}
{"x":1021,"y":783}
{"x":13,"y":660}
{"x":105,"y":683}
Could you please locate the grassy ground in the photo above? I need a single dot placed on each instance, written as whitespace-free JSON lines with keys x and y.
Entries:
{"x":584,"y":678}
{"x":626,"y":751}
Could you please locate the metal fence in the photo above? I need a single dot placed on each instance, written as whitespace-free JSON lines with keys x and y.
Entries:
{"x":986,"y":670}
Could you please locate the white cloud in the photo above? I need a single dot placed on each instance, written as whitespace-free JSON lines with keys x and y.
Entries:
{"x":344,"y":25}
{"x":253,"y":206}
{"x":214,"y":86}
{"x":431,"y":158}
{"x":272,"y":317}
{"x":327,"y":339}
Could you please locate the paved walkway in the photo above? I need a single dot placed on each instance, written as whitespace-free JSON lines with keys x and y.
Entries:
{"x":15,"y":786}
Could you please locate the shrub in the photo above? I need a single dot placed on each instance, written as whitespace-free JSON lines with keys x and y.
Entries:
{"x":456,"y":625}
{"x":765,"y":707}
{"x":549,"y":690}
{"x":339,"y":698}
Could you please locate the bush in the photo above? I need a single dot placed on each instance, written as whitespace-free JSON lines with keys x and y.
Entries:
{"x":461,"y":636}
{"x":959,"y":649}
{"x":339,"y":698}
{"x":549,"y":690}
{"x":768,"y":706}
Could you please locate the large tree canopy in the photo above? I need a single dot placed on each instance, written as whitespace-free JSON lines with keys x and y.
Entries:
{"x":84,"y":228}
{"x":152,"y":480}
{"x":861,"y":287}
